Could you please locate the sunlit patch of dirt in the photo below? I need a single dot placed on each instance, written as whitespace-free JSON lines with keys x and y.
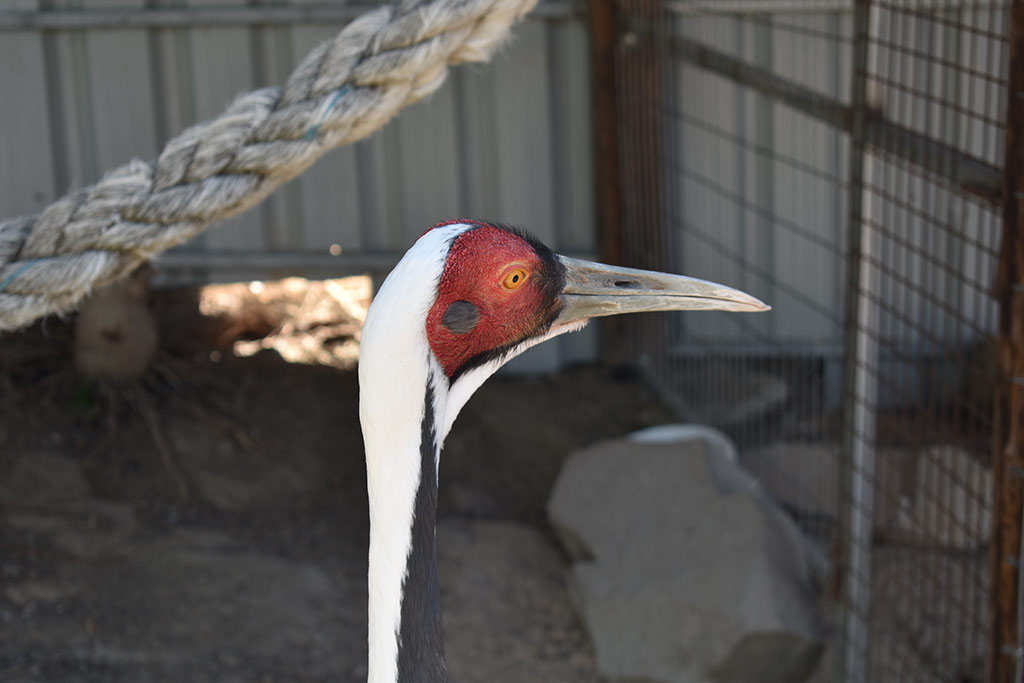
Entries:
{"x":316,"y":322}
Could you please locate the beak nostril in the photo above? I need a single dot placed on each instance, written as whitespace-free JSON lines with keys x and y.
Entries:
{"x":626,"y":284}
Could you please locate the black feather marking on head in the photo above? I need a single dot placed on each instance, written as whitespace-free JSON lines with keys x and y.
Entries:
{"x":460,"y":317}
{"x":420,"y":638}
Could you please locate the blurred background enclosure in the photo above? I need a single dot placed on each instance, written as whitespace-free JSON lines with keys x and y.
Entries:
{"x":844,"y":161}
{"x":854,"y":163}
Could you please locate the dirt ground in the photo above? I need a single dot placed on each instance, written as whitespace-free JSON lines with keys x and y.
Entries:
{"x":209,"y":522}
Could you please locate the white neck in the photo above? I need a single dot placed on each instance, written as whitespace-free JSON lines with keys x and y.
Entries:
{"x":395,"y":366}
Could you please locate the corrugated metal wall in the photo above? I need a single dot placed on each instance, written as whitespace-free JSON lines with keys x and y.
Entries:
{"x":508,"y":141}
{"x":782,"y":212}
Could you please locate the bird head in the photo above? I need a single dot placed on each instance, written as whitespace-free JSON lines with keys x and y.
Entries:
{"x":501,"y":291}
{"x":473,"y":295}
{"x":466,"y":298}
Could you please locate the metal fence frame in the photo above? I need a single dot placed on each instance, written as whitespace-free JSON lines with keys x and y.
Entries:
{"x":1006,"y":655}
{"x":640,"y":41}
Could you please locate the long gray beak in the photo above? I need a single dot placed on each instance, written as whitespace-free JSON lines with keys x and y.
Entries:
{"x":593,"y":290}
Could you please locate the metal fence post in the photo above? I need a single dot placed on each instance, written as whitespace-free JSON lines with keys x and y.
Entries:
{"x":1007,"y":647}
{"x":860,"y":376}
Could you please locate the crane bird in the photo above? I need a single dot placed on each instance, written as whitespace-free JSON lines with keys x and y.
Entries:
{"x":467,"y":297}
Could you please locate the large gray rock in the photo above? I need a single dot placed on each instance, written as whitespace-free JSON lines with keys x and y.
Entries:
{"x":684,"y":571}
{"x":713,"y":439}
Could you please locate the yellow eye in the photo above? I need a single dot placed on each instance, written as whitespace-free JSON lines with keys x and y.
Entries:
{"x":514,"y":278}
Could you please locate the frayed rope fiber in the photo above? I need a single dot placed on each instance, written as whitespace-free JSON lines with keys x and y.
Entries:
{"x":345,"y":89}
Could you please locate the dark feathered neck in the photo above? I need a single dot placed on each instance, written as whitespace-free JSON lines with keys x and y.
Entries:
{"x":421,"y":641}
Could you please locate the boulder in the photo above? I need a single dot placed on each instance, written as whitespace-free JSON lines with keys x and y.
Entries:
{"x":684,"y":571}
{"x":679,"y":433}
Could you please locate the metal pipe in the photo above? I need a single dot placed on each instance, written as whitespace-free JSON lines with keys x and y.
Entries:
{"x":292,"y":261}
{"x":344,"y":263}
{"x":753,"y":7}
{"x":110,"y":18}
{"x":774,"y":7}
{"x":860,"y":384}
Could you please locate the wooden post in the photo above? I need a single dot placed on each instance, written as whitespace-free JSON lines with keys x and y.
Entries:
{"x":639,"y":56}
{"x":606,"y":130}
{"x":1005,"y":654}
{"x":641,"y":114}
{"x":607,"y":173}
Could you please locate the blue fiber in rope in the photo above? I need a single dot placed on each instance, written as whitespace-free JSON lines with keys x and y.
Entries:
{"x":315,"y":128}
{"x":18,"y":271}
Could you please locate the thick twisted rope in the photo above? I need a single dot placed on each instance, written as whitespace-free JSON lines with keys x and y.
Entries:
{"x":346,"y":88}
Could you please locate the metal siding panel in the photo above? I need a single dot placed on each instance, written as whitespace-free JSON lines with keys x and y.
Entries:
{"x":381,"y":191}
{"x":936,"y":273}
{"x":807,"y":205}
{"x":572,"y":162}
{"x":760,"y":229}
{"x":174,"y":82}
{"x":221,"y":63}
{"x":274,"y":60}
{"x":738,"y":201}
{"x":476,"y":88}
{"x":804,"y":201}
{"x":329,"y":190}
{"x":712,"y":226}
{"x":75,"y":119}
{"x":122,"y":96}
{"x":524,"y":132}
{"x":429,"y":164}
{"x":26,"y":178}
{"x":573,"y":129}
{"x":174,"y":89}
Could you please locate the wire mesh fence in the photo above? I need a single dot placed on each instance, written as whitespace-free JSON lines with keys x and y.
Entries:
{"x":843,"y":162}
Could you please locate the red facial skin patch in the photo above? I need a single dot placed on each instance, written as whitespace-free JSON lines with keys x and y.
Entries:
{"x":478,"y":270}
